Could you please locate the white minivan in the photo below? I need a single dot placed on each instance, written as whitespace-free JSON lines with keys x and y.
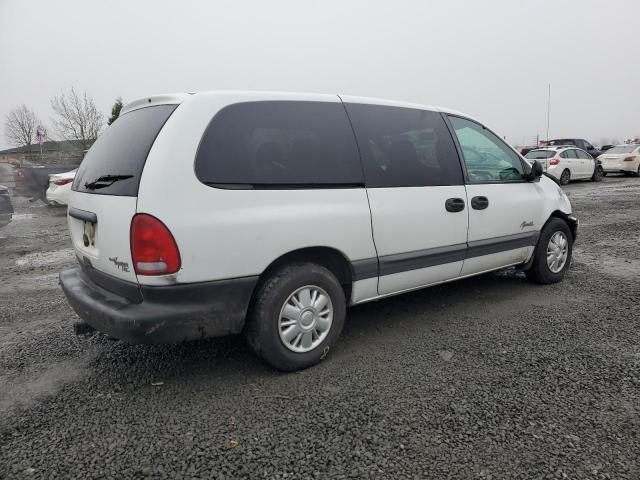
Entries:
{"x":200,"y":215}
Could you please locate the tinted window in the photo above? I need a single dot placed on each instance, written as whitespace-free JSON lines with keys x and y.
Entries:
{"x":404,"y":147}
{"x":562,"y":141}
{"x":279,"y":144}
{"x":486,"y":157}
{"x":540,"y":154}
{"x":584,"y":155}
{"x":113,"y":165}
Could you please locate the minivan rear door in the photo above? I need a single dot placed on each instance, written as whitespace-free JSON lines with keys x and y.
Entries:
{"x":415,"y":186}
{"x":105,"y":190}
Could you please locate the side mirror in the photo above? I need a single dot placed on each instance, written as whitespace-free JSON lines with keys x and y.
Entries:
{"x":535,"y":173}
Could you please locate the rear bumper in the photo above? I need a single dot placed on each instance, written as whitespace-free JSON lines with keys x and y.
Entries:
{"x":621,"y":166}
{"x":160,"y":314}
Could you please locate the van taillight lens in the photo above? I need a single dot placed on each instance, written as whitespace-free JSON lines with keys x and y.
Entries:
{"x":554,"y":161}
{"x":153,"y":248}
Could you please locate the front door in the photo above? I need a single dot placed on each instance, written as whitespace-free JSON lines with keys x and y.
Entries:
{"x":416,"y":193}
{"x":504,"y":209}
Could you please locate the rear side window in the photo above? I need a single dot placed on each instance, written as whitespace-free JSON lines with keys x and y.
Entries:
{"x":584,"y":155}
{"x":404,"y":147}
{"x":114,"y":163}
{"x":277,"y":144}
{"x":569,"y":154}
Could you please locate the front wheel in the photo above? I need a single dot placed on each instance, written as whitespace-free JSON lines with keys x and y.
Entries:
{"x":296,"y":317}
{"x":552,"y":255}
{"x":598,"y":173}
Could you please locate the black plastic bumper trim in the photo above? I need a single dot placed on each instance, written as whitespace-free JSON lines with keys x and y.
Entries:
{"x":166,"y":314}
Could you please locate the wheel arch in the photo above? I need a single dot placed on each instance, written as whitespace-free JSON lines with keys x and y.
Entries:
{"x":330,"y":258}
{"x":570,"y":220}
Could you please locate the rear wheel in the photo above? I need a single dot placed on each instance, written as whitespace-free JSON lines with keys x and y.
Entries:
{"x":297,"y":315}
{"x":565,"y":177}
{"x":598,"y":173}
{"x":552,"y":255}
{"x":637,"y":174}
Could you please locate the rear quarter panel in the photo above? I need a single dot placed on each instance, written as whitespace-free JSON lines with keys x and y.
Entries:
{"x":235,"y":233}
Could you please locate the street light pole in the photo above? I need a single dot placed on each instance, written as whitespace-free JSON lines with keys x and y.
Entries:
{"x":548,"y":110}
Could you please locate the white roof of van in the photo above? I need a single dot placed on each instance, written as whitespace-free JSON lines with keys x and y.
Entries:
{"x":177,"y":98}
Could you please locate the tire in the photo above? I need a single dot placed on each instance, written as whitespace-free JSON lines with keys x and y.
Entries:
{"x":598,"y":174}
{"x":263,"y":329}
{"x":637,"y":174}
{"x":540,"y":271}
{"x":565,"y":177}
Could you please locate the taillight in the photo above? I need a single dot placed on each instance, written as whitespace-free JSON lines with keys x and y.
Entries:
{"x":153,"y":249}
{"x":554,"y":161}
{"x":630,"y":159}
{"x":62,"y":181}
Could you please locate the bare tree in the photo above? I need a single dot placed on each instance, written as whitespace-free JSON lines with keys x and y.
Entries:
{"x":20,"y":127}
{"x":77,"y":117}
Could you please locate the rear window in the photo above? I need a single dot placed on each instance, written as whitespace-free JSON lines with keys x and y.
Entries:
{"x":113,"y":165}
{"x":279,"y":144}
{"x":540,"y":154}
{"x":622,"y":149}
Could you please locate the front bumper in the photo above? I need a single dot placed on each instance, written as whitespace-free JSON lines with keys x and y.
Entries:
{"x":143,"y":314}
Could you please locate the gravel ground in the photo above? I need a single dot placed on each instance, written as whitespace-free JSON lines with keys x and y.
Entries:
{"x":490,"y":377}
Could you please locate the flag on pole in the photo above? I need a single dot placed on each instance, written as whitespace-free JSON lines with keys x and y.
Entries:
{"x":40,"y":135}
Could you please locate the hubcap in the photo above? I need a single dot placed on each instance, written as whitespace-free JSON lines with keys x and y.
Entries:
{"x":305,"y":319}
{"x":557,"y":252}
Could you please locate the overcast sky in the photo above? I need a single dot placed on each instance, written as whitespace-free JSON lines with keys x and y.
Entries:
{"x":492,"y":58}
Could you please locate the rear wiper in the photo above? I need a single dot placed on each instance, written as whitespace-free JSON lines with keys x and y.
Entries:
{"x":105,"y":181}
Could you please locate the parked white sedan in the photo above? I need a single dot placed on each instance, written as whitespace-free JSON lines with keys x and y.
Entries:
{"x":567,"y":163}
{"x":60,"y":187}
{"x":623,"y":159}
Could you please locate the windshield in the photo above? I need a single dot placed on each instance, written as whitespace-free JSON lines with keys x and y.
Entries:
{"x":113,"y":165}
{"x":540,"y":154}
{"x":622,"y":149}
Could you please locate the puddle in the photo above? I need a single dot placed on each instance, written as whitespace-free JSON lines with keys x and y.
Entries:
{"x":45,"y":259}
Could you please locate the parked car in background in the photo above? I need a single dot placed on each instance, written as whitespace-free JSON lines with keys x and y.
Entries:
{"x":60,"y":187}
{"x":33,"y":180}
{"x":444,"y":196}
{"x":604,"y":148}
{"x":576,"y":142}
{"x":622,"y":159}
{"x":567,"y":163}
{"x":6,"y":208}
{"x":525,"y":150}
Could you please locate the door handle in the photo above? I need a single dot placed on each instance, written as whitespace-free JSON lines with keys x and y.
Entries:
{"x":454,"y":205}
{"x":479,"y":203}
